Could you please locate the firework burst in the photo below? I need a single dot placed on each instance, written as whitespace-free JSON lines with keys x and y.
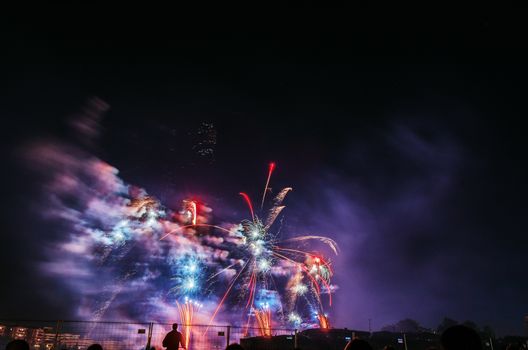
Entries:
{"x":263,"y":263}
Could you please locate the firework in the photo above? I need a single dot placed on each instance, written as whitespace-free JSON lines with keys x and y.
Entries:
{"x":270,"y":171}
{"x":189,"y":211}
{"x":295,"y":319}
{"x":186,"y":311}
{"x":266,"y":259}
{"x":137,"y":247}
{"x":263,"y":317}
{"x":250,"y":205}
{"x":323,"y":321}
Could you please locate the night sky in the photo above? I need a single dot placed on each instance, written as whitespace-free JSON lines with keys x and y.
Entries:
{"x":404,"y":141}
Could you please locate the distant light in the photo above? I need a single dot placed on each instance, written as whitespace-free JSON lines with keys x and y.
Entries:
{"x":299,"y":289}
{"x":263,"y":265}
{"x":190,"y":284}
{"x":257,"y":247}
{"x":119,"y":236}
{"x":192,"y":267}
{"x":294,"y":318}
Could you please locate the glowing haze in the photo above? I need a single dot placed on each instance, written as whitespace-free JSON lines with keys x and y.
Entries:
{"x":409,"y":202}
{"x":129,"y":257}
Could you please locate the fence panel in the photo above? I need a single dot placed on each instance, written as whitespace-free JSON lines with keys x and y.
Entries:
{"x":254,"y":338}
{"x":200,"y":337}
{"x":78,"y":335}
{"x":75,"y":335}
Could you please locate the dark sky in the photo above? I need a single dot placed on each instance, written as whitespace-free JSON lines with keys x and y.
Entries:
{"x":404,"y":139}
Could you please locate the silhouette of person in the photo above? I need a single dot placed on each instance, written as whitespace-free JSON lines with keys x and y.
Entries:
{"x":234,"y":346}
{"x":173,"y":339}
{"x":95,"y":347}
{"x":460,"y":337}
{"x":17,"y":344}
{"x":358,"y":344}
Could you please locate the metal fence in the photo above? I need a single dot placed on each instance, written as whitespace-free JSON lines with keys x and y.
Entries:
{"x":78,"y":335}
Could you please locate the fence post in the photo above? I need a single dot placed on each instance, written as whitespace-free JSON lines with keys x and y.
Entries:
{"x":228,"y":335}
{"x":149,"y":336}
{"x":57,"y":332}
{"x":295,"y":341}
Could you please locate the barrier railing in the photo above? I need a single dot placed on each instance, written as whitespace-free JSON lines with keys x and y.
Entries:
{"x":79,"y":335}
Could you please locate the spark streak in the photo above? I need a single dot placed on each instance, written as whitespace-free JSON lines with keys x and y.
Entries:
{"x":328,"y":241}
{"x":224,"y":297}
{"x":271,"y":168}
{"x":323,"y":321}
{"x":186,"y":311}
{"x":193,"y":206}
{"x":263,"y":317}
{"x":248,"y":201}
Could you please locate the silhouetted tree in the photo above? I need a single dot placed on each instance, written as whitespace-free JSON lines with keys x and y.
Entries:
{"x":445,"y":324}
{"x":488,"y":332}
{"x":407,"y":325}
{"x":389,"y":328}
{"x":471,"y":325}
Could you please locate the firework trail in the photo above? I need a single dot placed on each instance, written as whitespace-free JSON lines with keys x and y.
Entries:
{"x":190,"y":211}
{"x":270,"y":171}
{"x":186,"y":311}
{"x":323,"y":321}
{"x":263,"y":317}
{"x":249,"y":204}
